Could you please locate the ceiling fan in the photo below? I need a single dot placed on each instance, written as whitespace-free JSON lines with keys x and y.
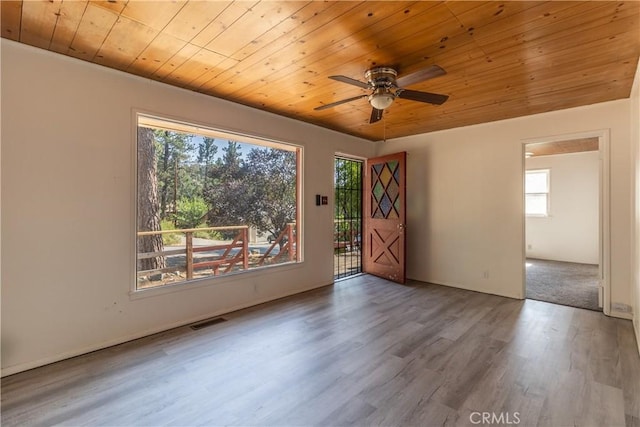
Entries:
{"x":385,"y":87}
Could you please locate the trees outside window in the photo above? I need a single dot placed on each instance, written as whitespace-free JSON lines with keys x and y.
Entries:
{"x":199,"y":194}
{"x":148,"y":208}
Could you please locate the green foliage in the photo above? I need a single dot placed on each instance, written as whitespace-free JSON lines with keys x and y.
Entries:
{"x":348,"y":189}
{"x":169,"y":238}
{"x":196,"y":185}
{"x":272,"y":195}
{"x":190,"y":211}
{"x":207,"y":151}
{"x":348,"y":201}
{"x":175,"y":173}
{"x":207,"y":234}
{"x":225,"y":190}
{"x":258,"y":189}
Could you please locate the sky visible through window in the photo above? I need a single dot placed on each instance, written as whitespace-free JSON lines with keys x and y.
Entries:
{"x":209,"y":204}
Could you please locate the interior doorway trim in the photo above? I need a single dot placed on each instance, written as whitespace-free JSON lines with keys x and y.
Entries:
{"x":604,"y":232}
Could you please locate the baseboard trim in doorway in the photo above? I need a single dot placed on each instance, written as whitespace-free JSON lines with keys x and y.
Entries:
{"x":621,"y":314}
{"x":340,"y":279}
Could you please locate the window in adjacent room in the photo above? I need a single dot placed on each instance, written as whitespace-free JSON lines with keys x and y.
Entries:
{"x":537,"y":192}
{"x":211,"y":203}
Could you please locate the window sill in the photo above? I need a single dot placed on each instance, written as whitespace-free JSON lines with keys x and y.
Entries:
{"x":212,"y":281}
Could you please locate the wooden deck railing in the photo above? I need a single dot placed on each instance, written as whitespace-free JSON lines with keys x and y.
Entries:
{"x":287,"y":242}
{"x":348,"y":238}
{"x":230,"y":260}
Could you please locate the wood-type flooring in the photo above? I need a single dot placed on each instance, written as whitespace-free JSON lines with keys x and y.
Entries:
{"x":363,"y":352}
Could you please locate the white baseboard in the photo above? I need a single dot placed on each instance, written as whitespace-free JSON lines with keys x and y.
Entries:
{"x":10,"y":370}
{"x":466,"y":288}
{"x":621,"y":314}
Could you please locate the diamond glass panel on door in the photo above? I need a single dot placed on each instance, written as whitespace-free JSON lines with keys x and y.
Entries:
{"x":384,"y":242}
{"x":385,"y":190}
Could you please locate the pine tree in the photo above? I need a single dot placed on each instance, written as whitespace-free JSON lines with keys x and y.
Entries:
{"x":148,"y":204}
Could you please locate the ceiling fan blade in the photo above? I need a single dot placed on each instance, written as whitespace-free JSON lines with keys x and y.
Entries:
{"x":420,"y":76}
{"x":344,"y":101}
{"x":349,"y":80}
{"x":376,"y":115}
{"x":431,"y":98}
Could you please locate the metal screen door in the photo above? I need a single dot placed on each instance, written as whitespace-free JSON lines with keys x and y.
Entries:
{"x":347,"y":220}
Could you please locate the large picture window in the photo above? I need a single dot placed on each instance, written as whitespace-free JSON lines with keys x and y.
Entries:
{"x":210,"y":203}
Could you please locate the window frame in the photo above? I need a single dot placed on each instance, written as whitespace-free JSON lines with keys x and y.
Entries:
{"x":160,"y":121}
{"x":547,"y":194}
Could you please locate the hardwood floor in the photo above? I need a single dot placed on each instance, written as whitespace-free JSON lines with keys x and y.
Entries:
{"x":363,"y":352}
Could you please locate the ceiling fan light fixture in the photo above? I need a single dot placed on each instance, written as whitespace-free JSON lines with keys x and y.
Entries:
{"x":381,"y":99}
{"x":383,"y":85}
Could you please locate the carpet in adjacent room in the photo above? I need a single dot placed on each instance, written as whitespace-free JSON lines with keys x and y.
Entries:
{"x":565,"y":283}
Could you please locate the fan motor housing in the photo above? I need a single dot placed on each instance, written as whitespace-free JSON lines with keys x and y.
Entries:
{"x":384,"y":88}
{"x":381,"y":77}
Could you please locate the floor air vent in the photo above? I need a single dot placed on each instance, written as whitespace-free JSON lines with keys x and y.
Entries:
{"x":208,"y":322}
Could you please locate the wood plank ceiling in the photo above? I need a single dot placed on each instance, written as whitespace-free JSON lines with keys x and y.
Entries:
{"x":580,"y":145}
{"x":503,"y":59}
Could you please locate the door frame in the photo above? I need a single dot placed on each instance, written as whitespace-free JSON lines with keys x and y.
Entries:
{"x":363,"y":161}
{"x":604,"y":209}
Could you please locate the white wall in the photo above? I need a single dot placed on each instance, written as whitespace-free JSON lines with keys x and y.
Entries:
{"x":68,"y":211}
{"x":570,"y":232}
{"x":67,"y":204}
{"x":465,"y":198}
{"x":635,"y":184}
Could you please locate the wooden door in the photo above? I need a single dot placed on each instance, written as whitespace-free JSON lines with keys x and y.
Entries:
{"x":384,"y":217}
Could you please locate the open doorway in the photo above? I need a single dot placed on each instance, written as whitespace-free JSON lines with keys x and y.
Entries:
{"x":563,"y":222}
{"x":347,"y":219}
